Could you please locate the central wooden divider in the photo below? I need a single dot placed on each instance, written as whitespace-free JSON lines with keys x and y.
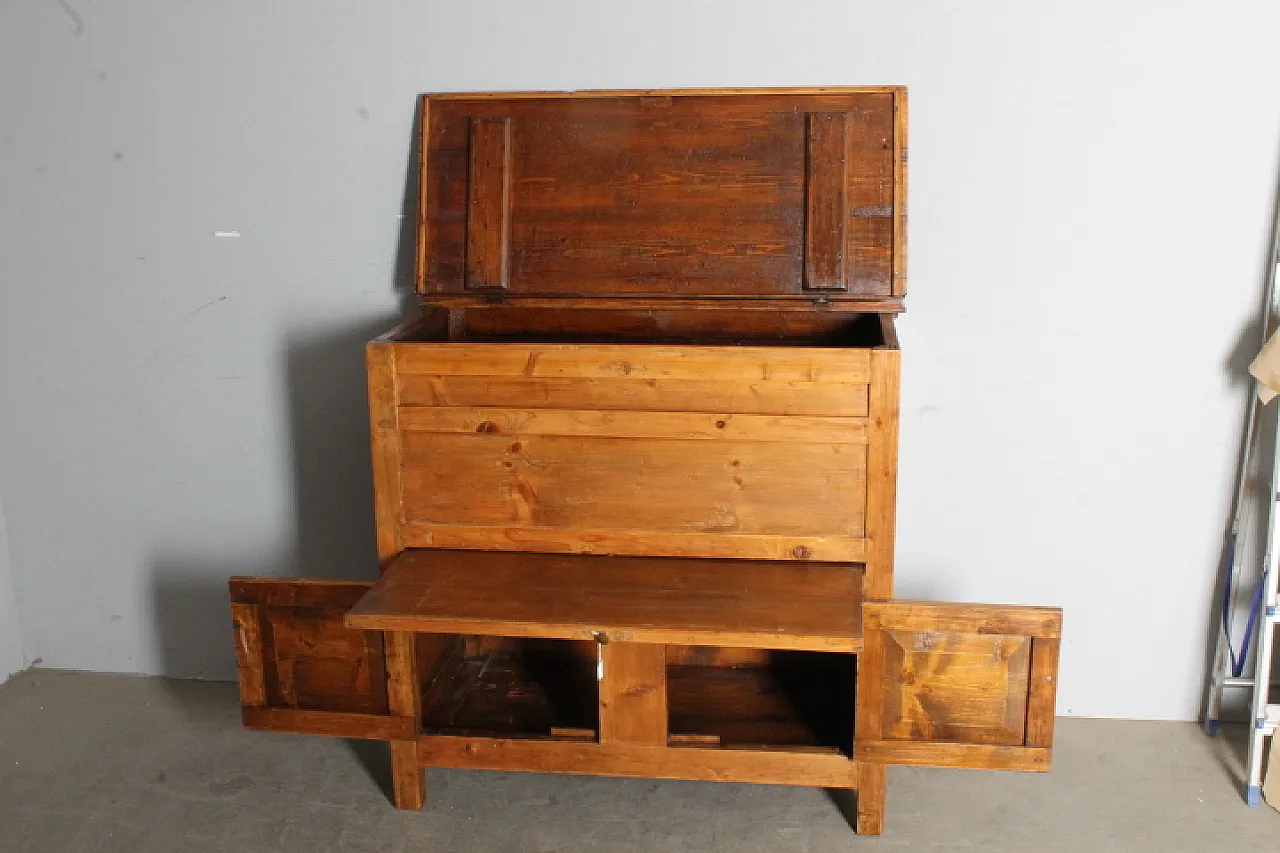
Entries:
{"x":758,"y":604}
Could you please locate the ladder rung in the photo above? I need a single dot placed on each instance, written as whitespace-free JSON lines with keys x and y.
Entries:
{"x":1234,"y":681}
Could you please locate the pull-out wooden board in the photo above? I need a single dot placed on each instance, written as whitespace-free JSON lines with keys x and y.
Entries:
{"x":749,"y":603}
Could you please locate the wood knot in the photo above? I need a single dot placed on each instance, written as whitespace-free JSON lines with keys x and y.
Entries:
{"x":514,"y":447}
{"x":487,"y":426}
{"x":801,"y":552}
{"x":721,"y":424}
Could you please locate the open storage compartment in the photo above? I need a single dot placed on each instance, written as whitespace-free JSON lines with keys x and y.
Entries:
{"x":760,"y":698}
{"x":513,"y":687}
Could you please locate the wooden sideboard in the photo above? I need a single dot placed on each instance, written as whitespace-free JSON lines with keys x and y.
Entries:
{"x":635,"y":463}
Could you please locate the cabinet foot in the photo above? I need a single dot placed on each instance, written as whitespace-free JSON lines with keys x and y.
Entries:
{"x":408,"y":777}
{"x":871,"y":788}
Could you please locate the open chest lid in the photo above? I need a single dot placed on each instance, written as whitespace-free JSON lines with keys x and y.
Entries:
{"x":787,"y":196}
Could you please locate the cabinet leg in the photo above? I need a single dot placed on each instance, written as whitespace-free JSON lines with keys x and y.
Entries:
{"x":408,"y":777}
{"x":871,"y":787}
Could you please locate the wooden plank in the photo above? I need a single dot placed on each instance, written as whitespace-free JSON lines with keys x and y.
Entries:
{"x":649,"y":93}
{"x":489,"y":203}
{"x":297,"y":592}
{"x":249,"y":654}
{"x":827,"y":208}
{"x":772,"y":767}
{"x":633,"y":693}
{"x":646,"y":485}
{"x":907,"y":615}
{"x":871,"y":798}
{"x":624,"y":424}
{"x":658,"y":195}
{"x":882,"y":472}
{"x":636,"y":361}
{"x":798,"y":304}
{"x":609,"y":541}
{"x":404,"y":694}
{"x":1043,"y":701}
{"x":900,"y":192}
{"x":839,"y":399}
{"x":424,"y":219}
{"x":385,"y":434}
{"x":765,"y":604}
{"x":975,"y":756}
{"x":331,"y":723}
{"x":958,"y":688}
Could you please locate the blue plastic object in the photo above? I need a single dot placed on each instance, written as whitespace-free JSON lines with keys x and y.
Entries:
{"x":1253,"y":796}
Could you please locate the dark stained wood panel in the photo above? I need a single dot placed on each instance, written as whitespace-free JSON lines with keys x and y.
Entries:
{"x":826,"y":199}
{"x":763,"y":604}
{"x":489,"y":203}
{"x":666,"y":196}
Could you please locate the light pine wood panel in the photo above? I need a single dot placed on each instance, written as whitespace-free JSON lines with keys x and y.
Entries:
{"x":761,"y":488}
{"x":957,"y":685}
{"x":554,"y":540}
{"x":636,"y":361}
{"x":623,"y":424}
{"x":960,"y":688}
{"x":633,"y":693}
{"x":776,"y":397}
{"x":828,"y":769}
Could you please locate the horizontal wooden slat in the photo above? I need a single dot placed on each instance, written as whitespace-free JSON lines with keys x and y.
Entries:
{"x":905,"y":615}
{"x":761,"y":604}
{"x":334,"y":724}
{"x":773,"y":767}
{"x":624,"y":424}
{"x":632,"y":542}
{"x":776,"y":397}
{"x":586,"y":361}
{"x":641,"y":485}
{"x":980,"y":757}
{"x":297,"y":592}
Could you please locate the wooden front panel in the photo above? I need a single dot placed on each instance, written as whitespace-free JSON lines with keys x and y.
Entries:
{"x":958,"y":685}
{"x":633,"y":693}
{"x":692,"y":451}
{"x":301,"y":669}
{"x":665,"y":194}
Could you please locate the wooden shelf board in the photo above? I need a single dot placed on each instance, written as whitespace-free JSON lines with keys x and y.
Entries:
{"x":745,"y":603}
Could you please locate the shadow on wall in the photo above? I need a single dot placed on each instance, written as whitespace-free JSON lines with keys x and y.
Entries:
{"x":332,"y":535}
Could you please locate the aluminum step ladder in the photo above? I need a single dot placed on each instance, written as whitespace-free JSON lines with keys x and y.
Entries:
{"x":1264,"y":612}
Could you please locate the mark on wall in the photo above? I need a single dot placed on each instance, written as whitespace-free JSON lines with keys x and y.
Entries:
{"x":364,"y":114}
{"x":73,"y":15}
{"x":226,"y":233}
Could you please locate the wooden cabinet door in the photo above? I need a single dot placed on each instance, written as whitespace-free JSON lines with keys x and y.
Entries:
{"x":958,"y":685}
{"x":301,"y":669}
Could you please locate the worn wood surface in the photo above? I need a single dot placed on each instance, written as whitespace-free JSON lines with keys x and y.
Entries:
{"x":294,"y":652}
{"x":957,"y":685}
{"x":828,"y":769}
{"x":633,"y":693}
{"x":764,"y":604}
{"x":515,"y":687}
{"x":489,"y":203}
{"x":664,"y":193}
{"x":329,"y":723}
{"x":385,"y":447}
{"x":882,"y":471}
{"x":872,"y":786}
{"x":826,"y":201}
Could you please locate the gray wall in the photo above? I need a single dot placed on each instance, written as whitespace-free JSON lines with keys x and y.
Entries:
{"x":11,"y":656}
{"x":1090,"y":192}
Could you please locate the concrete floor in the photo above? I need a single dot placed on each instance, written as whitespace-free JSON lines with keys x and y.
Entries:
{"x":98,"y":763}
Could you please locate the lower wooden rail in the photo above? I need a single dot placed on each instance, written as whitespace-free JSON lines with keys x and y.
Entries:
{"x":811,"y":768}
